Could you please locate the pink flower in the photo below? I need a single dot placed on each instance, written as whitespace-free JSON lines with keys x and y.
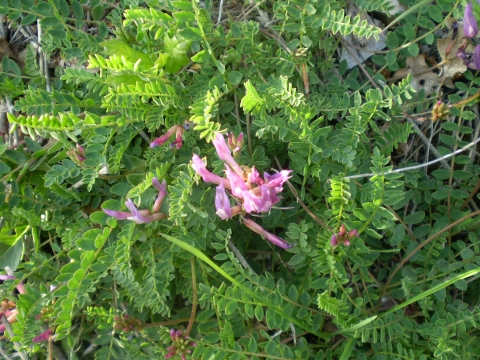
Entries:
{"x":206,"y":175}
{"x":277,"y":180}
{"x":237,"y":184}
{"x":224,"y":153}
{"x":138,"y":217}
{"x":164,"y":138}
{"x":43,"y":336}
{"x":254,"y":177}
{"x":274,"y":239}
{"x":222,"y":204}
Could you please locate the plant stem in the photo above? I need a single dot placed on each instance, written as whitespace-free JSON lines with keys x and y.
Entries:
{"x":194,"y":304}
{"x":17,"y":345}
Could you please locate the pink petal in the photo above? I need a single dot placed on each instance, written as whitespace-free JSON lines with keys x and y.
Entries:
{"x":207,"y":176}
{"x":222,"y":204}
{"x":225,"y":154}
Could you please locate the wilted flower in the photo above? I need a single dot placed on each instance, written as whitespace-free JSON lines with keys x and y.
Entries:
{"x":274,"y":239}
{"x":43,"y":336}
{"x":343,"y":237}
{"x":470,"y":27}
{"x":181,"y":345}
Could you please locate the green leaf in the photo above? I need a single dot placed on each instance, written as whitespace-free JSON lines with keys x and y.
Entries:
{"x":231,"y":307}
{"x":99,"y":217}
{"x":49,"y":21}
{"x":11,"y":249}
{"x":191,"y":33}
{"x":177,"y":48}
{"x":27,"y":20}
{"x":200,"y":56}
{"x":43,"y":8}
{"x":234,"y":77}
{"x":77,"y":9}
{"x":4,"y":168}
{"x":409,"y":31}
{"x":252,"y":344}
{"x":413,"y":49}
{"x":97,"y":12}
{"x":121,"y":189}
{"x":293,"y":27}
{"x":259,"y":312}
{"x":435,"y":13}
{"x":119,"y":48}
{"x":414,"y":218}
{"x":184,"y":16}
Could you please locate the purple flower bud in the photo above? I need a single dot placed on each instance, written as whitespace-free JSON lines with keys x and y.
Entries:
{"x":80,"y":150}
{"x":225,"y":154}
{"x":240,"y":140}
{"x":274,"y":239}
{"x":43,"y":336}
{"x":172,"y":334}
{"x":206,"y":175}
{"x":346,"y":243}
{"x":470,"y":27}
{"x":222,"y":204}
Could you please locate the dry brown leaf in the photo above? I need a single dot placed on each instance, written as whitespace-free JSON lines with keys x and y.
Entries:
{"x":454,"y":66}
{"x":422,"y":75}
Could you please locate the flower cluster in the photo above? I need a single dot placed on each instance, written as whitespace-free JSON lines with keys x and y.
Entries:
{"x":181,"y":345}
{"x":143,"y":216}
{"x":440,"y":112}
{"x":343,"y":237}
{"x":177,"y":143}
{"x":127,"y":323}
{"x":251,"y":192}
{"x":77,"y":154}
